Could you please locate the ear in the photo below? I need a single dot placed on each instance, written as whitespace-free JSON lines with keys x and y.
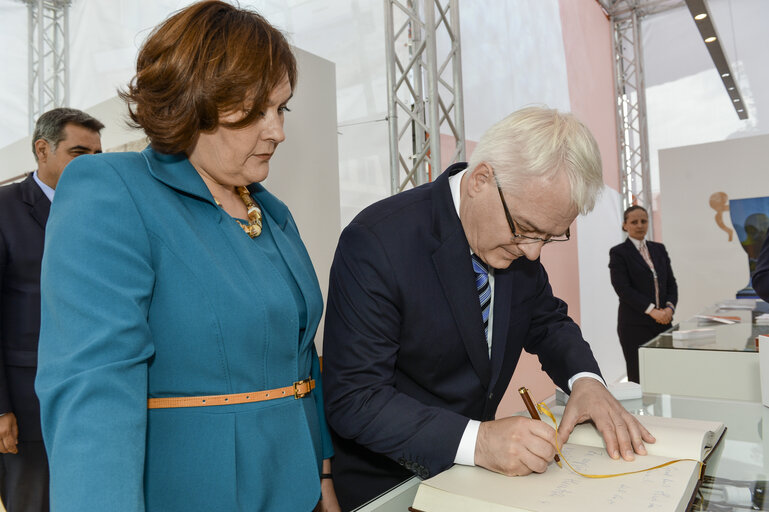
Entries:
{"x":479,"y":178}
{"x":42,"y":150}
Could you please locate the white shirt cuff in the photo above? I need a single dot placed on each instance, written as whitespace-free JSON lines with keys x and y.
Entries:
{"x":466,"y":449}
{"x":585,"y":374}
{"x":650,"y":308}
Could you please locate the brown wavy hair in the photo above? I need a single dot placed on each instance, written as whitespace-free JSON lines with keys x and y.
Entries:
{"x":206,"y":60}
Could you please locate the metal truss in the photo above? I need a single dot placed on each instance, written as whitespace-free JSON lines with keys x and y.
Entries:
{"x":619,"y":9}
{"x":424,"y":91}
{"x":633,"y":142}
{"x":48,"y":56}
{"x":630,"y":92}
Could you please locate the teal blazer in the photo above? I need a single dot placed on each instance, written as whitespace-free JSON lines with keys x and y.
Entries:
{"x":149,"y":289}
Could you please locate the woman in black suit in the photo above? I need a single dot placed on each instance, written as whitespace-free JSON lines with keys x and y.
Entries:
{"x":643,"y":278}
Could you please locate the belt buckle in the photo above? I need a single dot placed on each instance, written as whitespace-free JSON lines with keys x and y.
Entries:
{"x":301,"y":394}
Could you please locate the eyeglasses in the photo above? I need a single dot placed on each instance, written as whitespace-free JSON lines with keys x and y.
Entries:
{"x":523,"y":239}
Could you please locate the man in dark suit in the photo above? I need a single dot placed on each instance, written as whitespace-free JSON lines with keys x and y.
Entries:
{"x":433,"y":295}
{"x":760,"y":278}
{"x":60,"y":135}
{"x":642,"y":276}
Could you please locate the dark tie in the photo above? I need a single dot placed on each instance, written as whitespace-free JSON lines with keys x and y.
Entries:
{"x":484,"y":293}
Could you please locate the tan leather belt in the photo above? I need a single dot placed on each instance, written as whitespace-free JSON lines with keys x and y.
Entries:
{"x":297,"y":390}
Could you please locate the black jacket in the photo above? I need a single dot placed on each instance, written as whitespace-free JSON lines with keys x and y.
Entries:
{"x":406,"y":363}
{"x":634,"y":282}
{"x":23,"y":214}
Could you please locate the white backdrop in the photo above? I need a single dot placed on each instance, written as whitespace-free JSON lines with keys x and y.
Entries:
{"x":707,"y":266}
{"x":597,"y":232}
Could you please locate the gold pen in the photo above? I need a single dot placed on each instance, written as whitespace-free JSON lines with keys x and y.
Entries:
{"x":533,"y":412}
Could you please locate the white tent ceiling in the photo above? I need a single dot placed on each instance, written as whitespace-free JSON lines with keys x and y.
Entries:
{"x":510,"y":57}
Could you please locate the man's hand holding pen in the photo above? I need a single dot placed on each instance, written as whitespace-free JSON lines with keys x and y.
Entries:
{"x":515,"y":446}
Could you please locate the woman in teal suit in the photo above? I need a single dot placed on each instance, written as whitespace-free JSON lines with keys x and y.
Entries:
{"x":177,"y":361}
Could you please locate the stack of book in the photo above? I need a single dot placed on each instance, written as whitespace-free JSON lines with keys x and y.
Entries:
{"x":684,"y":338}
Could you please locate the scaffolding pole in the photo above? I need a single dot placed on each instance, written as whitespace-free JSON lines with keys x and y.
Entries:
{"x":633,"y":142}
{"x":48,"y":71}
{"x":630,"y":94}
{"x":424,"y":95}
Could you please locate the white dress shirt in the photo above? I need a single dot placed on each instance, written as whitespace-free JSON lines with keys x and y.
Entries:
{"x":48,"y":191}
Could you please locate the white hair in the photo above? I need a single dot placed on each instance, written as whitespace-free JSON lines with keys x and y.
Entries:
{"x":540,"y":142}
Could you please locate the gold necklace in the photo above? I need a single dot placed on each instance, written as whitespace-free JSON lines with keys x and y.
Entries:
{"x":254,"y":226}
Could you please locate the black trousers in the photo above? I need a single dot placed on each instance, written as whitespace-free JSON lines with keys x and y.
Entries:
{"x":633,"y":336}
{"x":24,"y":478}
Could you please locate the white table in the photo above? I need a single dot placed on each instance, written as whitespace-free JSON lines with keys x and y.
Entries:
{"x":724,"y":366}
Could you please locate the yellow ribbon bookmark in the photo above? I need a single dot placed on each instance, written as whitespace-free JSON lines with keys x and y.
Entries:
{"x":544,"y":410}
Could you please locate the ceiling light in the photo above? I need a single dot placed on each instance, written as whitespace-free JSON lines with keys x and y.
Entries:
{"x":704,"y":22}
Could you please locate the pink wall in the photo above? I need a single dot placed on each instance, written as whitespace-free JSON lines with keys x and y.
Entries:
{"x":587,"y":41}
{"x":447,"y":150}
{"x":587,"y":44}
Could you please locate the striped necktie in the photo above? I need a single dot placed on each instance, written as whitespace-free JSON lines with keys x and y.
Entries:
{"x":484,"y":294}
{"x":647,"y":257}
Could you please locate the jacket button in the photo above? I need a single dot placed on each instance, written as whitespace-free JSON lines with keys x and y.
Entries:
{"x":409,"y":465}
{"x":402,"y":461}
{"x":491,"y":395}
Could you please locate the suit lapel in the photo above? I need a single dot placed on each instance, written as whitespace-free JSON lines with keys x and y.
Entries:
{"x":39,"y":204}
{"x":293,"y":251}
{"x":636,"y":254}
{"x":176,"y":171}
{"x":655,"y":255}
{"x":454,"y":267}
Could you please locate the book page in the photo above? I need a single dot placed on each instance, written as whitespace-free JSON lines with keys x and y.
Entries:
{"x":558,"y":489}
{"x":677,"y":438}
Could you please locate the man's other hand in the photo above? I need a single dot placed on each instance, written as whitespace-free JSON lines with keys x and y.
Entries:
{"x":9,"y":433}
{"x":621,"y":431}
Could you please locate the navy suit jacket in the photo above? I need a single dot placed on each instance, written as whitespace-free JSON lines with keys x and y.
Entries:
{"x":634,"y":282}
{"x":23,"y":214}
{"x":760,"y":278}
{"x":406,"y":363}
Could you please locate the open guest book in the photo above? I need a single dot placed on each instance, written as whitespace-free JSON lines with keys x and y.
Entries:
{"x":463,"y":488}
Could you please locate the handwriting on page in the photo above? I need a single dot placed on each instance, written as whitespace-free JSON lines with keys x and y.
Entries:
{"x":557,"y":489}
{"x":659,"y":489}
